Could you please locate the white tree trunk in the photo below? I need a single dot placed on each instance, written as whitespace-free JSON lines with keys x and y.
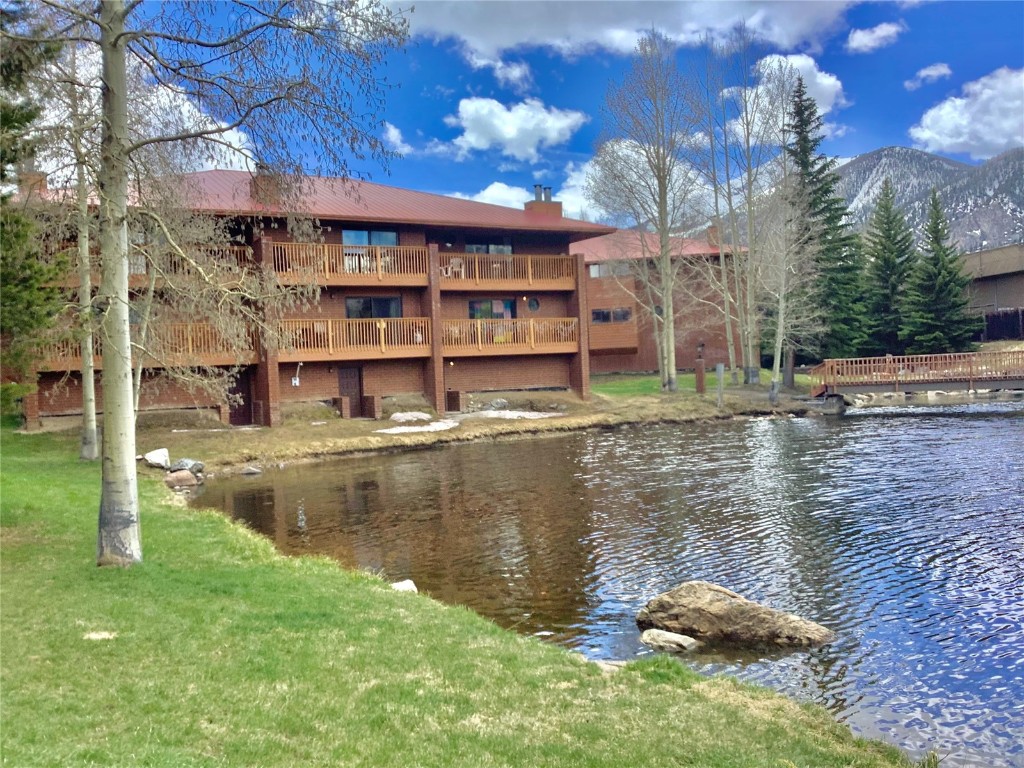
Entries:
{"x":147,"y":309}
{"x":668,"y":336}
{"x":90,"y":445}
{"x":780,"y":329}
{"x":118,"y":540}
{"x":89,"y":449}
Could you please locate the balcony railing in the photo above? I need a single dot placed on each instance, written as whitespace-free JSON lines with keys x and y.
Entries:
{"x":355,"y":339}
{"x":139,"y":268}
{"x":170,"y":344}
{"x":468,"y":271}
{"x":330,"y":264}
{"x":510,"y":337}
{"x":960,"y":370}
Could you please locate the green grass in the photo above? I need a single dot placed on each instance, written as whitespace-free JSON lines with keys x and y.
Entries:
{"x":224,"y":653}
{"x":636,"y":384}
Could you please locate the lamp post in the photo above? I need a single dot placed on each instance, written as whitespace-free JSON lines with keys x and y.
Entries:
{"x":699,"y":369}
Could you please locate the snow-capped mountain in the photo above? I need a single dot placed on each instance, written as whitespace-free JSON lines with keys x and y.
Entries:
{"x":983,"y":203}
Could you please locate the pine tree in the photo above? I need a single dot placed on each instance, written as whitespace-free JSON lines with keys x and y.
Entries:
{"x":28,"y":303}
{"x":890,"y":255}
{"x":839,"y":291}
{"x":935,"y":317}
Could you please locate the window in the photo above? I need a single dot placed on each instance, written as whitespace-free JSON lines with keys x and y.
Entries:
{"x":366,"y":307}
{"x":617,"y":315}
{"x":609,"y":269}
{"x":487,"y":309}
{"x":533,"y":304}
{"x":368,"y":237}
{"x":490,"y":245}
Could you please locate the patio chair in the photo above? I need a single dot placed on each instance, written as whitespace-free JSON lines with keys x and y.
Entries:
{"x":456,"y":268}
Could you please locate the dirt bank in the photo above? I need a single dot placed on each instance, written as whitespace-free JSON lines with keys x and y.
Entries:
{"x":314,"y":433}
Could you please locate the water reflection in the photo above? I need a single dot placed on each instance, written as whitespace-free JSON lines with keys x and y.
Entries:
{"x":900,"y":531}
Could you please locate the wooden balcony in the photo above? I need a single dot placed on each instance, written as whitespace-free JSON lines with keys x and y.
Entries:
{"x":172,"y":345}
{"x":139,"y":268}
{"x":493,"y":272}
{"x":375,"y":339}
{"x":614,"y":338}
{"x":478,"y":338}
{"x":350,"y":265}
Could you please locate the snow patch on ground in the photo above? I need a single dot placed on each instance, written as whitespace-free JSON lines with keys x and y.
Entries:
{"x":434,"y":426}
{"x":411,"y":416}
{"x":510,"y":415}
{"x":443,"y":424}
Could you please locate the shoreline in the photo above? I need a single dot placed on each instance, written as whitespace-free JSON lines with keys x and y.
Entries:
{"x":302,"y":442}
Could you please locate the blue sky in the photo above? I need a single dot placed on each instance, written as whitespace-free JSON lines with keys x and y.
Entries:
{"x":494,"y":97}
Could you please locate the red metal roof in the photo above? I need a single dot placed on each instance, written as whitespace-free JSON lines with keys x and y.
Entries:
{"x":630,"y":244}
{"x":230,"y":192}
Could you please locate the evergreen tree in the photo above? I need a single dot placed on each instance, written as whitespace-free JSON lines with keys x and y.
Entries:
{"x":935,"y":316}
{"x":27,"y":304}
{"x":839,"y":290}
{"x":890,"y":255}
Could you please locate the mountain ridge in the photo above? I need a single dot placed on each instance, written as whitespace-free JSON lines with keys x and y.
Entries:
{"x":984,"y":204}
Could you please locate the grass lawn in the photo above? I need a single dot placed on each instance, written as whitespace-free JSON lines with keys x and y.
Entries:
{"x":216,"y":651}
{"x":634,"y":384}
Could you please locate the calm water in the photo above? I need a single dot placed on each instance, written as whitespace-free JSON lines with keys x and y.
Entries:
{"x":901,"y":529}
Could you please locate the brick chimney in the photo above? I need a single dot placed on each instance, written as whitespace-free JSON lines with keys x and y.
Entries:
{"x":31,"y":183}
{"x":265,"y":187}
{"x":543,"y":204}
{"x":712,"y":236}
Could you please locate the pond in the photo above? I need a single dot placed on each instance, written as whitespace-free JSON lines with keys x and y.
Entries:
{"x":901,"y":529}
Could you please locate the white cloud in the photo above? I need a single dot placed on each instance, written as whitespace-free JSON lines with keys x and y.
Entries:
{"x":518,"y":131}
{"x":486,"y":31}
{"x":492,"y":28}
{"x":928,"y":75}
{"x":156,"y":111}
{"x":825,"y":88}
{"x":515,"y":75}
{"x":986,"y":120}
{"x":393,"y":138}
{"x":573,"y":192}
{"x":499,"y":193}
{"x":868,"y":40}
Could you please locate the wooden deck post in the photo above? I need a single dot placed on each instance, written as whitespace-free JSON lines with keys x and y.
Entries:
{"x":579,"y":363}
{"x":433,"y":374}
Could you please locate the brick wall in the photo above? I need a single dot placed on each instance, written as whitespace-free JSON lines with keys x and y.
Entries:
{"x":489,"y":373}
{"x":319,"y":380}
{"x":393,"y":377}
{"x":61,"y":395}
{"x":646,"y":358}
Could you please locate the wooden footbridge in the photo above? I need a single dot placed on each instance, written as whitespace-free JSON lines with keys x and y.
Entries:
{"x":918,"y":373}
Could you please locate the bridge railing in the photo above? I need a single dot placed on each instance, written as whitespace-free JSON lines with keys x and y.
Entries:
{"x":894,"y":372}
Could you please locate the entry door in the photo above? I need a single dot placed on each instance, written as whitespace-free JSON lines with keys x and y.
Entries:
{"x":241,"y":411}
{"x":350,"y":385}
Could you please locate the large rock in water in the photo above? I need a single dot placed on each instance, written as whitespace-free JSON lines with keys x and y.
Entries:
{"x":718,"y":616}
